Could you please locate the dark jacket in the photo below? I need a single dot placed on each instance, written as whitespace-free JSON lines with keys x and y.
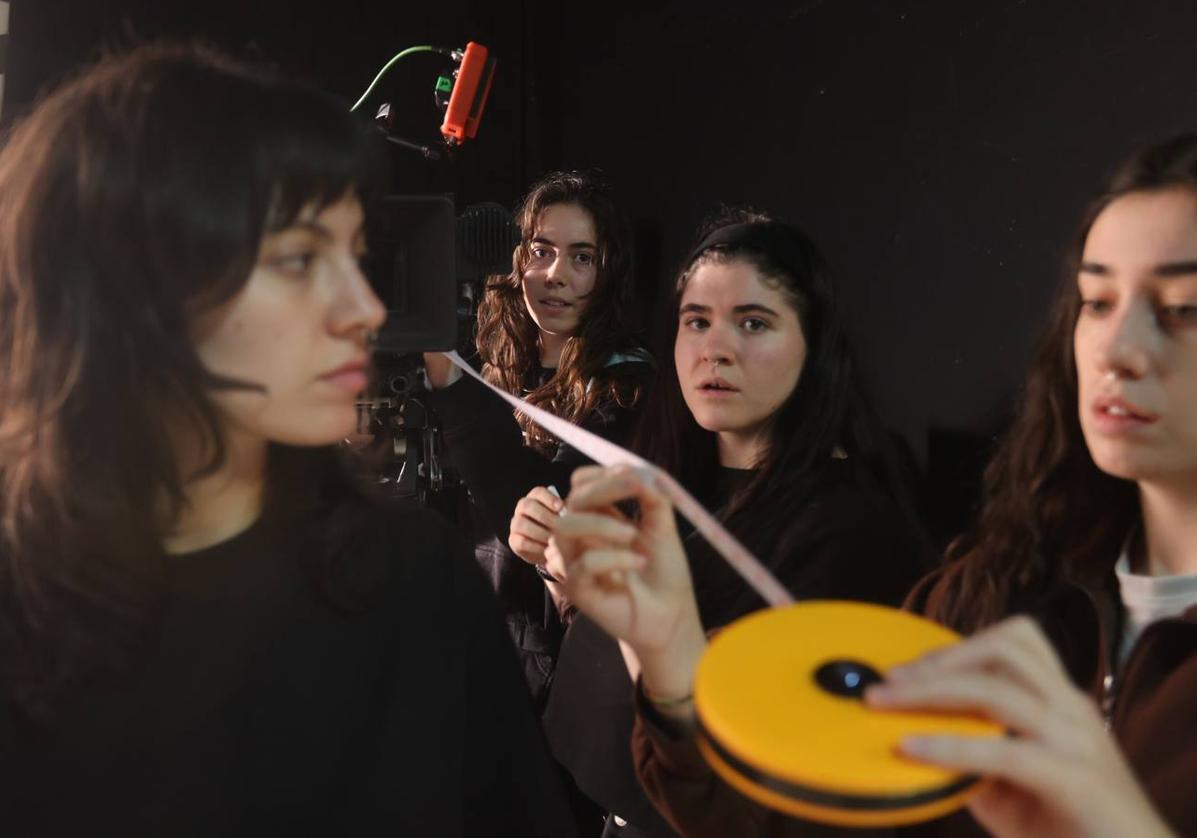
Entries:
{"x":264,"y":707}
{"x":486,"y":446}
{"x":851,"y":541}
{"x":1152,"y":707}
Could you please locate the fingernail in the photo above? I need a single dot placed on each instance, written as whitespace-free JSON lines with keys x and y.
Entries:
{"x":917,"y":746}
{"x":878,"y":694}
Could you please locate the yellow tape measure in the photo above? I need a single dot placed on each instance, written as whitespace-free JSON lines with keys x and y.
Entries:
{"x":781,"y":720}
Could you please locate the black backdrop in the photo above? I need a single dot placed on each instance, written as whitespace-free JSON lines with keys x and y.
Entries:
{"x":940,"y":151}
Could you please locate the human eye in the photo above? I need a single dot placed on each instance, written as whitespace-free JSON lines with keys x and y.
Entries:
{"x":297,"y":264}
{"x":1095,"y":306}
{"x":585,"y":257}
{"x":754,"y":324}
{"x":1181,"y":315}
{"x":539,"y":252}
{"x":695,"y":323}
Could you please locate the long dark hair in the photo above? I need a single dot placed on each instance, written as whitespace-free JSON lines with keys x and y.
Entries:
{"x":508,"y":338}
{"x":1048,"y":511}
{"x":825,"y":418}
{"x":131,"y":199}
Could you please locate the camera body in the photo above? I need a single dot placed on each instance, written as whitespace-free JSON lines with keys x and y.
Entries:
{"x":429,"y":268}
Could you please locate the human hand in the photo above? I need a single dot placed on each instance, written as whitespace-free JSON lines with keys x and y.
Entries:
{"x":1061,"y":773}
{"x":530,"y":529}
{"x":632,"y":577}
{"x":440,"y":370}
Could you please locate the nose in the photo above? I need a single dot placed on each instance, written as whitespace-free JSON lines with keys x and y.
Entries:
{"x":356,"y":309}
{"x":716,"y":347}
{"x":555,"y":276}
{"x":1132,"y":343}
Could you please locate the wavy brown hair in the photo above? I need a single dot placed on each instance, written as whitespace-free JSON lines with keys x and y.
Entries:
{"x":508,"y":338}
{"x":1048,"y":512}
{"x":131,"y":199}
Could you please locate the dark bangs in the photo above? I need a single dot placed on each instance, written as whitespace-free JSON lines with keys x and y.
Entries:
{"x":311,"y":158}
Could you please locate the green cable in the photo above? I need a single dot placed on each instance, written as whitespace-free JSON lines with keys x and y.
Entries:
{"x":391,"y":64}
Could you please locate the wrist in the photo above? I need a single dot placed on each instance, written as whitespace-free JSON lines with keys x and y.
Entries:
{"x":667,"y":673}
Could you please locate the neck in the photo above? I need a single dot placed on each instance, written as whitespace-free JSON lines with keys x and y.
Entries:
{"x":220,"y":505}
{"x":551,"y":347}
{"x":740,"y":450}
{"x":1169,"y":529}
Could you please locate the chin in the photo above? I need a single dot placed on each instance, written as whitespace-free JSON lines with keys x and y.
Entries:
{"x":318,"y":431}
{"x":1125,"y":464}
{"x":715,"y":424}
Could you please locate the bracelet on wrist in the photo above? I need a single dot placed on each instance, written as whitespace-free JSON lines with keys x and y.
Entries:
{"x":666,"y":702}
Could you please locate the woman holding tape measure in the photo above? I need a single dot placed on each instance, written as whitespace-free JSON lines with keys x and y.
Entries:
{"x":557,"y":331}
{"x":757,"y":412}
{"x":1087,"y":533}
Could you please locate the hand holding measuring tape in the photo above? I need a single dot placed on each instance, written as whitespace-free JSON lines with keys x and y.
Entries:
{"x":770,"y":687}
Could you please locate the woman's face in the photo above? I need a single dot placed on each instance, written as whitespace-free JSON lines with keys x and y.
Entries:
{"x":562,"y":269}
{"x":298,"y":329}
{"x":1136,"y":338}
{"x":739,"y":350}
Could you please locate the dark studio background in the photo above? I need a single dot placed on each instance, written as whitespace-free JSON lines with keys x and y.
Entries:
{"x":940,"y":152}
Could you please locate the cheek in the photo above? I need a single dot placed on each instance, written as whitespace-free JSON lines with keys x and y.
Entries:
{"x":776,"y":366}
{"x":585,"y":281}
{"x":1083,"y":349}
{"x":683,"y":355}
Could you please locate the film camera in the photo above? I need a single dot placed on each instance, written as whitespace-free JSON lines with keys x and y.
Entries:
{"x":428,"y":265}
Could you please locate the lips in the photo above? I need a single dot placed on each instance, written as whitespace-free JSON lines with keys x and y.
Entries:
{"x":717,"y":385}
{"x":1118,"y":408}
{"x":1116,"y":417}
{"x":351,"y":376}
{"x":555,"y":302}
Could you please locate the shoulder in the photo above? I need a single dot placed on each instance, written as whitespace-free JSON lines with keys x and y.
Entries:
{"x":408,"y":552}
{"x":854,"y":540}
{"x":632,"y":358}
{"x":629,"y":370}
{"x":845,"y":500}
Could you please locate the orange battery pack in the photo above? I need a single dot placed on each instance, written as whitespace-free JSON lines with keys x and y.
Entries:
{"x":470,"y":90}
{"x":781,"y":720}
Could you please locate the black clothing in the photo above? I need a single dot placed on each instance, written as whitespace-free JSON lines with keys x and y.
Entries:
{"x":485,"y":444}
{"x":854,"y":544}
{"x":267,"y":708}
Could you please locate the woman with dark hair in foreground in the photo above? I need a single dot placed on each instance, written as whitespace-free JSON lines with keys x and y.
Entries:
{"x":204,"y":628}
{"x":1079,"y":581}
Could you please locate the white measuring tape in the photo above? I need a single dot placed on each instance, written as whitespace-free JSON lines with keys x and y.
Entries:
{"x":609,"y":454}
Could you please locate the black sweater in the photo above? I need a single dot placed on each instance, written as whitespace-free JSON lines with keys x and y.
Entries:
{"x":267,"y":710}
{"x":485,"y":444}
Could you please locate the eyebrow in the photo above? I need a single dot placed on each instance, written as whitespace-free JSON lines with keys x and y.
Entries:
{"x":1166,"y":270}
{"x":572,"y":245}
{"x":741,"y":309}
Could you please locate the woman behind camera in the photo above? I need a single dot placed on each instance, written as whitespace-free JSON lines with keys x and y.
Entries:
{"x":758,"y":413}
{"x":1087,"y":534}
{"x":557,"y":331}
{"x":204,"y":629}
